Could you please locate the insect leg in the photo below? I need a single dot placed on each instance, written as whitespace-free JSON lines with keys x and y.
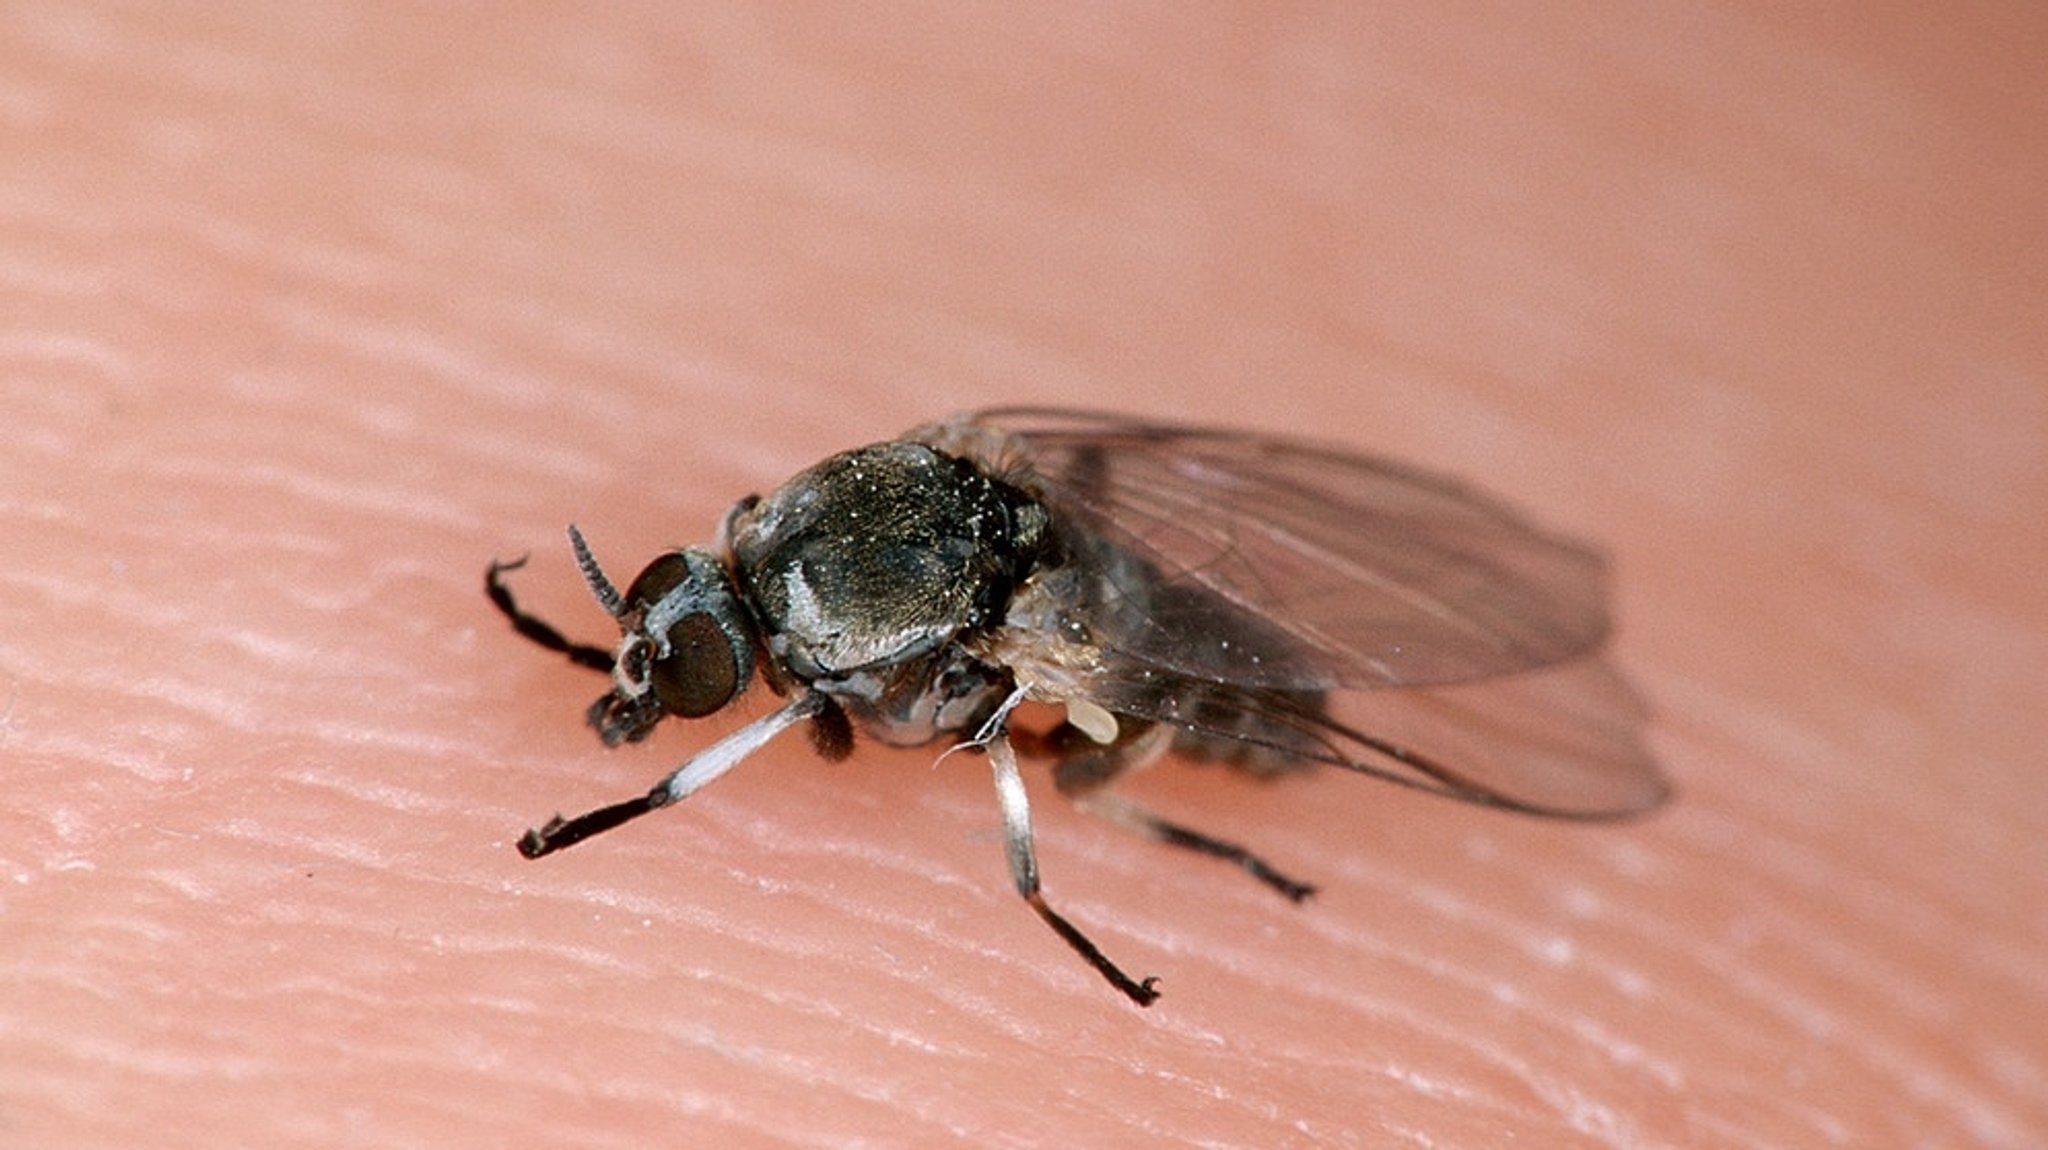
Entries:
{"x":1023,"y":858}
{"x":707,"y":765}
{"x":1086,"y":768}
{"x":536,"y":629}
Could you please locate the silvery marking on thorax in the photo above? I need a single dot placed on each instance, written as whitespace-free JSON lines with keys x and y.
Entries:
{"x":1163,"y":590}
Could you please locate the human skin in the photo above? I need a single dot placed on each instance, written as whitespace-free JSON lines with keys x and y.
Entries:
{"x":310,"y":315}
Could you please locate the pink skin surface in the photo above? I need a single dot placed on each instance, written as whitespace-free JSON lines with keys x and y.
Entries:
{"x":308,"y":315}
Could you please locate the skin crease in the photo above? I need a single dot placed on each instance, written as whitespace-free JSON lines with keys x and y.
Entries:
{"x":310,"y":315}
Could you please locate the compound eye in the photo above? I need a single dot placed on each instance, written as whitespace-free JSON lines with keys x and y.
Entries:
{"x":662,"y":576}
{"x":700,"y":673}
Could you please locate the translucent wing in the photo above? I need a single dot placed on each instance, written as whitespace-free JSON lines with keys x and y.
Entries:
{"x":1268,"y":562}
{"x":1564,"y":741}
{"x":1327,"y":606}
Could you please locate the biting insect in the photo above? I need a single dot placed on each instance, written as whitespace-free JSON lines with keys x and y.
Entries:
{"x":1215,"y":594}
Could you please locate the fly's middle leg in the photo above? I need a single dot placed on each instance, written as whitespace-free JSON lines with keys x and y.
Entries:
{"x":1023,"y":856}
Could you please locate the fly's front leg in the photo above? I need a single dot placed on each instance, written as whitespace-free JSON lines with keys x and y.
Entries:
{"x":1023,"y":858}
{"x":535,"y":628}
{"x":559,"y":833}
{"x":1086,"y":769}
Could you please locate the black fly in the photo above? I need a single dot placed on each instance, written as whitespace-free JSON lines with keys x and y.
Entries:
{"x":1264,"y":601}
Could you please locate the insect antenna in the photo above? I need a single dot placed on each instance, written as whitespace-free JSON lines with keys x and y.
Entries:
{"x":607,"y":595}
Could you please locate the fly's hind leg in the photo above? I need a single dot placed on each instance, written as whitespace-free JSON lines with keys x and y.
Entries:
{"x":1086,"y":768}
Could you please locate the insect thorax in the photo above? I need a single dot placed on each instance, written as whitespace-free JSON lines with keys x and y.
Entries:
{"x":868,"y":565}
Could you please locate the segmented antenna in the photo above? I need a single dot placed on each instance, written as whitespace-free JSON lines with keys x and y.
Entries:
{"x":607,"y":595}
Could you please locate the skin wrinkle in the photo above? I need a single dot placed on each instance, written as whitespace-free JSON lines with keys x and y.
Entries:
{"x":683,"y":258}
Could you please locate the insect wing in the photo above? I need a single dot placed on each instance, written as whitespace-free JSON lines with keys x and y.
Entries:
{"x":1564,"y":741}
{"x":1267,"y":562}
{"x":1274,"y":593}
